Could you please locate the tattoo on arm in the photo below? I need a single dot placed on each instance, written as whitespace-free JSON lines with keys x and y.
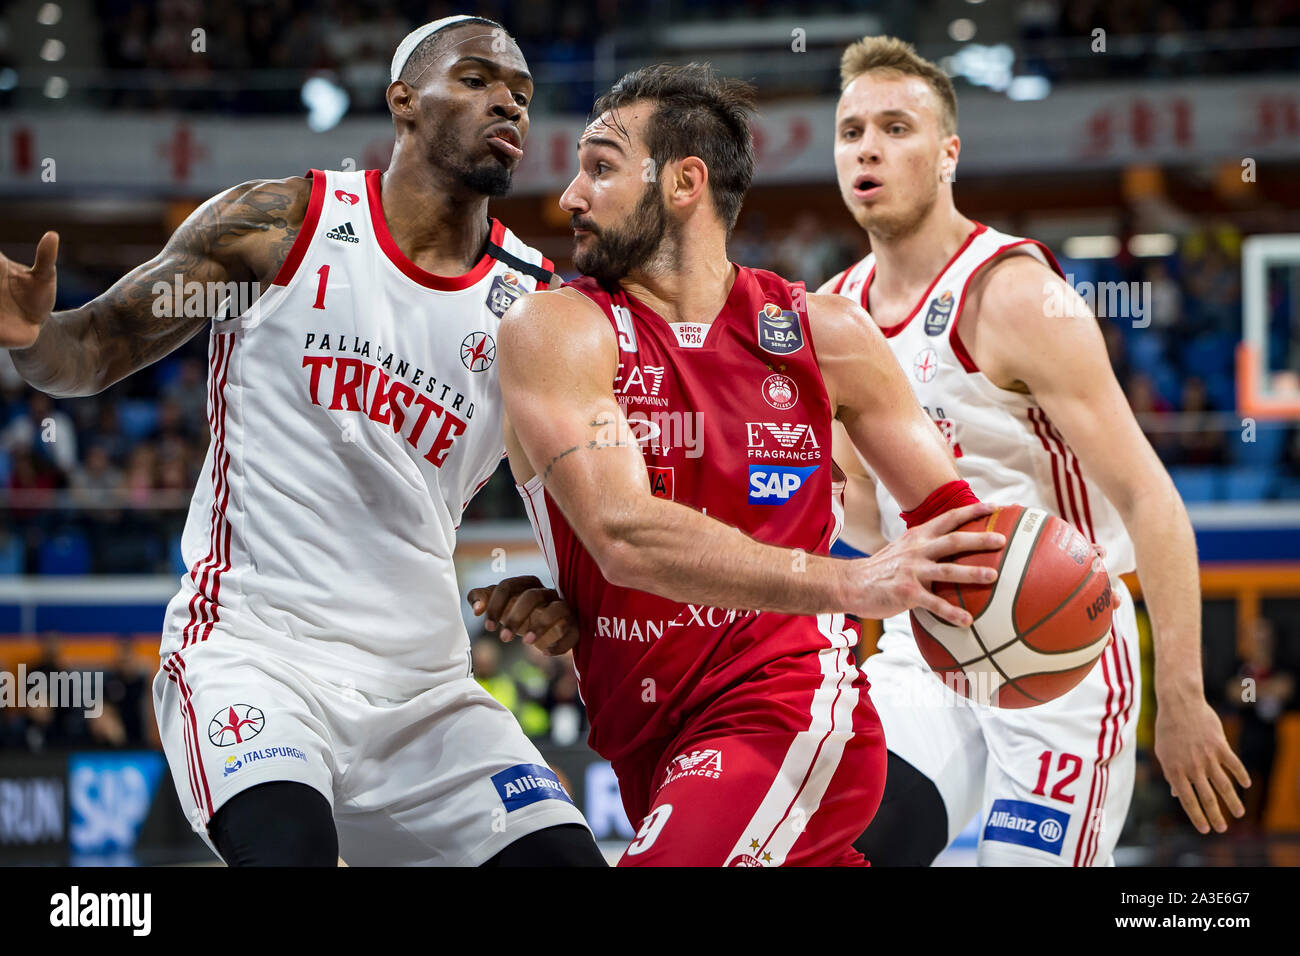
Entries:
{"x":546,"y":475}
{"x":241,"y":236}
{"x":598,"y":422}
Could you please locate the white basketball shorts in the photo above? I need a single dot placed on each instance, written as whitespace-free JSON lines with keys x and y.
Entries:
{"x":444,"y":778}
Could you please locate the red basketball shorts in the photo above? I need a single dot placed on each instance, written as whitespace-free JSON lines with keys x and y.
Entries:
{"x":785,"y":769}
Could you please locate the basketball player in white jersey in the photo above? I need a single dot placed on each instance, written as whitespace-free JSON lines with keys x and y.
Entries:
{"x":1027,"y":399}
{"x":315,"y":696}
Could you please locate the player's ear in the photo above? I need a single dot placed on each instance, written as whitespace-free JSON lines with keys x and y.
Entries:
{"x":951,"y":152}
{"x":401,"y":99}
{"x":689,"y":177}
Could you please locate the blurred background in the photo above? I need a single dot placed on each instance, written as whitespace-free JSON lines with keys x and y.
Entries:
{"x":1153,"y":145}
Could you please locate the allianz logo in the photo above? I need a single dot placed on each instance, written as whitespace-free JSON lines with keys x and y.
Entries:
{"x":1050,"y":831}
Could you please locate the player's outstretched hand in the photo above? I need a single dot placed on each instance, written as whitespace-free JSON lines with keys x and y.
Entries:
{"x":522,"y":605}
{"x":897,"y":578}
{"x":1196,"y":760}
{"x":27,"y":295}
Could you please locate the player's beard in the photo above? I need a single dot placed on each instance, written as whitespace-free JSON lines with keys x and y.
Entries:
{"x":613,"y":252}
{"x":488,"y":177}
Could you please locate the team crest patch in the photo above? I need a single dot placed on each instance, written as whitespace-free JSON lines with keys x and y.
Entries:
{"x":478,"y":351}
{"x":779,"y":330}
{"x":237,"y":724}
{"x":780,"y":391}
{"x":527,"y":783}
{"x":501,"y":296}
{"x":925,"y":365}
{"x":940,"y":311}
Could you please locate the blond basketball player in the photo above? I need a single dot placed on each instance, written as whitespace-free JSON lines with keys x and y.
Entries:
{"x":315,"y":694}
{"x":1010,"y":364}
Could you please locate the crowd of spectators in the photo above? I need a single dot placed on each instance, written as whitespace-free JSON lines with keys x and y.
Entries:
{"x":248,"y":49}
{"x":541,"y":691}
{"x":100,"y":485}
{"x":252,"y":57}
{"x":1157,"y":38}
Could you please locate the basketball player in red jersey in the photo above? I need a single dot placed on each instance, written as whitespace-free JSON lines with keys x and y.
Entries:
{"x":318,"y":699}
{"x":714,"y":658}
{"x":1009,"y":362}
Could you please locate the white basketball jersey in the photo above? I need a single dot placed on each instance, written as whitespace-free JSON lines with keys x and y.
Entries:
{"x":1004,"y":444}
{"x":354,"y":411}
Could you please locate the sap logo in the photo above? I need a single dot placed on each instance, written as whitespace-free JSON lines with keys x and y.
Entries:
{"x":1027,"y":824}
{"x":109,"y":798}
{"x":528,"y":783}
{"x":773,"y":485}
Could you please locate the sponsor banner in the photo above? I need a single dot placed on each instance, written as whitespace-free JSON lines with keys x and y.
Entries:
{"x":109,"y":798}
{"x":92,"y":808}
{"x":595,"y":791}
{"x":33,"y":809}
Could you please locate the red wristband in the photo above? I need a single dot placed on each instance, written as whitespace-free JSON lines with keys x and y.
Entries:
{"x":954,"y":494}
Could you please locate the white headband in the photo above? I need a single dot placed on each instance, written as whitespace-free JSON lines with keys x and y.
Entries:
{"x":418,"y":36}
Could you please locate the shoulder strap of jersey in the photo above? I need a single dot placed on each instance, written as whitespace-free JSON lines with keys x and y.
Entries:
{"x":989,"y":246}
{"x":619,"y":315}
{"x":854,"y":281}
{"x":307,"y":231}
{"x":839,"y":283}
{"x":541,"y":271}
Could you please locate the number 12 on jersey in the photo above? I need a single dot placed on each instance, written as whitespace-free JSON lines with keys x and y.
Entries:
{"x":1070,"y":762}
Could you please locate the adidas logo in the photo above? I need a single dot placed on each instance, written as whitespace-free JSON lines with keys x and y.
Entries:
{"x":343,"y":233}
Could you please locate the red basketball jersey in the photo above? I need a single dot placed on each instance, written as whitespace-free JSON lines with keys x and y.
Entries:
{"x":733,"y":420}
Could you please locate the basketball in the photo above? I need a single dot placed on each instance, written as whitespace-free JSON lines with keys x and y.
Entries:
{"x":1038,"y":629}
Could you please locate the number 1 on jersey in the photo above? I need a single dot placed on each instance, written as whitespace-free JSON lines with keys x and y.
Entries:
{"x":324,"y":273}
